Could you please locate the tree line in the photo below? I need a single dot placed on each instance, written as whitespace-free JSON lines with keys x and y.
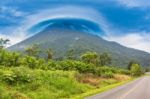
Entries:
{"x":89,"y":62}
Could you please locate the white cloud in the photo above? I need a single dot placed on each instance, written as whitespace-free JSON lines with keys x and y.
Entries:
{"x":133,"y":40}
{"x":20,"y":33}
{"x":4,"y":10}
{"x":86,"y":13}
{"x":135,"y":3}
{"x":14,"y":37}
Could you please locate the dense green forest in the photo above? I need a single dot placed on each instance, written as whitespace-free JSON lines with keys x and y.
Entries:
{"x":29,"y":76}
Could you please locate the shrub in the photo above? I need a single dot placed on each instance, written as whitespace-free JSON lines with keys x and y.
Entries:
{"x":9,"y":58}
{"x":9,"y":77}
{"x":136,"y":70}
{"x":31,"y":62}
{"x":18,"y":75}
{"x":71,"y":65}
{"x":107,"y":75}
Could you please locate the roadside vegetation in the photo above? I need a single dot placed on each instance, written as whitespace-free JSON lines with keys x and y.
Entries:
{"x":29,"y":76}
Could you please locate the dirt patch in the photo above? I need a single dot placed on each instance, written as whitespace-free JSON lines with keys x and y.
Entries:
{"x":120,"y":77}
{"x":89,"y":79}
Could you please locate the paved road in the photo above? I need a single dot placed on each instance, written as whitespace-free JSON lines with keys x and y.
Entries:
{"x":138,"y":89}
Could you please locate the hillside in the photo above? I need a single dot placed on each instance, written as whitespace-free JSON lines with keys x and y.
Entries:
{"x":60,"y":40}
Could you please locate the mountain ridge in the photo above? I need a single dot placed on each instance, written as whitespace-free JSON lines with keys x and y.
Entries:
{"x":61,"y":40}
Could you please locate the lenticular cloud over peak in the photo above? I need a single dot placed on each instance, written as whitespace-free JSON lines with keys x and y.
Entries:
{"x":109,"y":19}
{"x":79,"y":25}
{"x":70,"y":13}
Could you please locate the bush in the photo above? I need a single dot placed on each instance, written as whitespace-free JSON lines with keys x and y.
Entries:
{"x":14,"y":59}
{"x":9,"y":77}
{"x":71,"y":65}
{"x":84,"y":68}
{"x":136,"y":70}
{"x":18,"y":75}
{"x":107,"y":75}
{"x":9,"y":58}
{"x":104,"y":72}
{"x":30,"y":62}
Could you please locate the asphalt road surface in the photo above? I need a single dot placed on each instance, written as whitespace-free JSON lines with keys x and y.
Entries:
{"x":138,"y":89}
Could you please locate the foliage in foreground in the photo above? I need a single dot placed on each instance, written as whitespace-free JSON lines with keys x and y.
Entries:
{"x":28,"y":76}
{"x":38,"y":84}
{"x":26,"y":83}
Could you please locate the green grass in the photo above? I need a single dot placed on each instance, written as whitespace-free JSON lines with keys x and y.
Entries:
{"x":29,"y":77}
{"x":25,"y":83}
{"x":41,"y":85}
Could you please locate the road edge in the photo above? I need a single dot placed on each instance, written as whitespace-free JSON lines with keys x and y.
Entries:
{"x":103,"y":89}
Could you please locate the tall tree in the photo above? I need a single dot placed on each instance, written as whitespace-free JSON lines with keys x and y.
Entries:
{"x":131,"y":63}
{"x":3,"y":42}
{"x":90,"y":57}
{"x":69,"y":54}
{"x":104,"y":59}
{"x":49,"y":54}
{"x":34,"y":50}
{"x":136,"y":70}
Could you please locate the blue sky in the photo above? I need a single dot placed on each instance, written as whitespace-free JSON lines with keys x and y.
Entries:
{"x":124,"y":21}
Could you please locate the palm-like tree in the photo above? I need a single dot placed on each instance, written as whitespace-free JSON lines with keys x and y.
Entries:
{"x":3,"y":42}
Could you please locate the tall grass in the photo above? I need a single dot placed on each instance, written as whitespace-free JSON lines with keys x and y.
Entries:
{"x":40,"y":84}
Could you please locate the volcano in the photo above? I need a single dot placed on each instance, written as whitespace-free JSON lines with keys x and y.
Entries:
{"x":66,"y":35}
